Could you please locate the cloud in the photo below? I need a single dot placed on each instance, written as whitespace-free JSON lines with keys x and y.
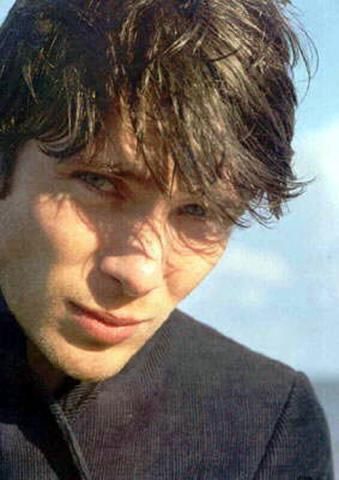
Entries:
{"x":320,"y":148}
{"x":256,"y":265}
{"x":252,"y":297}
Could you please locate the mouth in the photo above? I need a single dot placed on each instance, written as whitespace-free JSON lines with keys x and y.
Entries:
{"x":103,"y":326}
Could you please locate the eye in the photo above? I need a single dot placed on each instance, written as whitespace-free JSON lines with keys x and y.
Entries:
{"x":194,"y":210}
{"x":196,"y":224}
{"x":97,"y":182}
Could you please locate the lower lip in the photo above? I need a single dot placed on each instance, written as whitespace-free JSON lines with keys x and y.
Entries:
{"x":99,"y":330}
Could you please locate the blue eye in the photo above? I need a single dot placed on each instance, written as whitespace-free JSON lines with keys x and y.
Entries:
{"x":98,"y":182}
{"x":194,"y":210}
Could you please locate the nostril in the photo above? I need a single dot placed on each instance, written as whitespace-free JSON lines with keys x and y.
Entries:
{"x":132,"y":291}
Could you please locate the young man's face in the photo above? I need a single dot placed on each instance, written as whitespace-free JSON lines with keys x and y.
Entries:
{"x":93,"y":261}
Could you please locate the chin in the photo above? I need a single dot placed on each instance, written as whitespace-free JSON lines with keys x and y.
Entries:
{"x":88,"y":376}
{"x":88,"y":369}
{"x":95,"y":365}
{"x":55,"y":359}
{"x":92,"y":373}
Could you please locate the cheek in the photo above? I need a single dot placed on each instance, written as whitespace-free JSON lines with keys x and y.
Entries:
{"x":185,"y":272}
{"x":16,"y":231}
{"x":66,"y":233}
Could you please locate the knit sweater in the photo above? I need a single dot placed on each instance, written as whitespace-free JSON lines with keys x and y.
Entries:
{"x":191,"y":404}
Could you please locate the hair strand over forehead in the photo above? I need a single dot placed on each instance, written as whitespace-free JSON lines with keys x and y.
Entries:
{"x":206,"y":85}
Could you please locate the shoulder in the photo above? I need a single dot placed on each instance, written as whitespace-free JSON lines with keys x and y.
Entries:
{"x":265,"y":406}
{"x":216,"y":366}
{"x":202,"y":349}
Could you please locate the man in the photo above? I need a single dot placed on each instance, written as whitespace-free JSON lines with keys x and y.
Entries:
{"x":134,"y":136}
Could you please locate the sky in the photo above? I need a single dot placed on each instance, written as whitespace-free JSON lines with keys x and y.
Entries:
{"x":277,"y":290}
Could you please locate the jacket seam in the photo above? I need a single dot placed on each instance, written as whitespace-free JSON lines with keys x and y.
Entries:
{"x":277,"y":424}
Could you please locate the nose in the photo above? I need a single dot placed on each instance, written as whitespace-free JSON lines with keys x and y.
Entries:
{"x":137,"y":269}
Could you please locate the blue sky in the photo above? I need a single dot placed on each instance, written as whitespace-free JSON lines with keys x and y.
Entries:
{"x":277,"y":289}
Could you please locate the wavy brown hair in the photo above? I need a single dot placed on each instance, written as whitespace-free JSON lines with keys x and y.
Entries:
{"x":205,"y":83}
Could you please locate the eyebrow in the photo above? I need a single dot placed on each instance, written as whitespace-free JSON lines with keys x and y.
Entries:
{"x":135,"y":172}
{"x":114,"y":165}
{"x":130,"y":171}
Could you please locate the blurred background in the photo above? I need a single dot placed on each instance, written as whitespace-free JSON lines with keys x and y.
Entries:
{"x":277,"y":290}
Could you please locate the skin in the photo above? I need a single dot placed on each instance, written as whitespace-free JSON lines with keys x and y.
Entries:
{"x":106,"y":239}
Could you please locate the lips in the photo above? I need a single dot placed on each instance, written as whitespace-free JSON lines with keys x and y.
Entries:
{"x":106,"y":318}
{"x":102,"y":326}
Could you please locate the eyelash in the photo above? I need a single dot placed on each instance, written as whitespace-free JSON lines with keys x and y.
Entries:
{"x":88,"y":178}
{"x":201,"y":216}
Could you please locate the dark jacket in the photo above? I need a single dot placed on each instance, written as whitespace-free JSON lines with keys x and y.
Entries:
{"x":191,"y":404}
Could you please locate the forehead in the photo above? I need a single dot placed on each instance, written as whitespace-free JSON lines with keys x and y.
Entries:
{"x":116,"y":150}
